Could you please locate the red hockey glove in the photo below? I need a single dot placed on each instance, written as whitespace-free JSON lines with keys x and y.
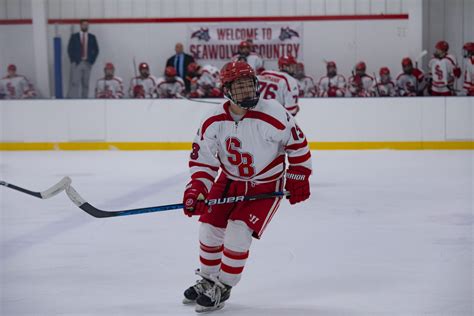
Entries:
{"x":457,"y":72}
{"x":297,"y":183}
{"x":193,"y":199}
{"x":417,"y":73}
{"x":139,"y":92}
{"x":332,"y":92}
{"x":194,"y":94}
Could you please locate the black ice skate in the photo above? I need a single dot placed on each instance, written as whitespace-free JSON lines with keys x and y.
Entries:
{"x":213,"y":299}
{"x":201,"y":286}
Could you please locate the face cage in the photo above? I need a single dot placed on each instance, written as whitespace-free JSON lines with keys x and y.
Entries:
{"x":245,"y":102}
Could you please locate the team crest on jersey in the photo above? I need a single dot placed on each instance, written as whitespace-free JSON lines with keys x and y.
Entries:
{"x":202,"y":34}
{"x":287,"y":33}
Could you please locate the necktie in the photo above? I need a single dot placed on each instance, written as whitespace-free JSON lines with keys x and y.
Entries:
{"x":83,"y":46}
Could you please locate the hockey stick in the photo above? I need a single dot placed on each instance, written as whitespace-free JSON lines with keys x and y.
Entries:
{"x":55,"y":189}
{"x":91,"y":210}
{"x":195,"y":100}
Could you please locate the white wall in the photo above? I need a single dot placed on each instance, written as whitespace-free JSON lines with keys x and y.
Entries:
{"x":323,"y":120}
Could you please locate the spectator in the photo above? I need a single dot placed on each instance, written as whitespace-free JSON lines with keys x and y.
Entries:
{"x":468,"y":54}
{"x":246,"y":54}
{"x":360,"y":83}
{"x":170,"y":86}
{"x":332,"y":85}
{"x":383,"y":85}
{"x":15,"y":86}
{"x":443,"y":69}
{"x":110,"y":86}
{"x":144,"y":85}
{"x":83,"y":51}
{"x":307,"y":88}
{"x":180,"y":61}
{"x":204,"y":81}
{"x":411,"y":81}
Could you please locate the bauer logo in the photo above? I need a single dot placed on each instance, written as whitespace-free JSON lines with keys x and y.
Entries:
{"x":232,"y":199}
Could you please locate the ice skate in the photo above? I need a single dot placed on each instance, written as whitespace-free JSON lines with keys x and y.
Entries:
{"x":213,"y":299}
{"x":201,"y":286}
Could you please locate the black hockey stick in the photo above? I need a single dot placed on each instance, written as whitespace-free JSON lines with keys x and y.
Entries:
{"x":52,"y":191}
{"x":180,"y":96}
{"x":91,"y":210}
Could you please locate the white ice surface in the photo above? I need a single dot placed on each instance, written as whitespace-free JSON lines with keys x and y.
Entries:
{"x":384,"y":233}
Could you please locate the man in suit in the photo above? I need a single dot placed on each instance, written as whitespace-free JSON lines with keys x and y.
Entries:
{"x":180,"y":62}
{"x":82,"y":50}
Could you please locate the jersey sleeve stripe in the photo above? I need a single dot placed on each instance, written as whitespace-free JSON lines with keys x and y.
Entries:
{"x":299,"y":159}
{"x":199,"y":164}
{"x":266,"y":118}
{"x":212,"y":120}
{"x":202,"y":174}
{"x":297,"y":146}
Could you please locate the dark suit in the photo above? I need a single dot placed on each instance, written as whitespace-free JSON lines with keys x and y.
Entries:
{"x":81,"y":69}
{"x":187,"y":59}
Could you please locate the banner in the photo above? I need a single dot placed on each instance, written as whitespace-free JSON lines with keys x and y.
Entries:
{"x":219,"y":42}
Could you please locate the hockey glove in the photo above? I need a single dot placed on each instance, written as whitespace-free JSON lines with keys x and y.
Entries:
{"x":193,"y":199}
{"x":297,"y":183}
{"x":457,"y":72}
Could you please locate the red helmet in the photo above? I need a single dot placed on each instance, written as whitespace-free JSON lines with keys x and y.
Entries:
{"x":384,"y":71}
{"x":286,"y":61}
{"x":193,"y":68}
{"x":143,"y":66}
{"x":361,"y":66}
{"x":442,"y":46}
{"x":11,"y":67}
{"x":235,"y":70}
{"x":109,"y":66}
{"x":170,"y":71}
{"x":331,"y":64}
{"x":406,"y":62}
{"x":245,"y":44}
{"x":469,"y":47}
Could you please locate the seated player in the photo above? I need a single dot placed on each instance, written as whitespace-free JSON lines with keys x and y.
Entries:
{"x":360,"y":83}
{"x":110,"y":86}
{"x":384,"y":86}
{"x":306,"y":86}
{"x":468,"y":54}
{"x":332,"y":85}
{"x":204,"y":81}
{"x":144,"y":85}
{"x":411,"y":81}
{"x":170,"y":86}
{"x":15,"y":86}
{"x":247,"y":54}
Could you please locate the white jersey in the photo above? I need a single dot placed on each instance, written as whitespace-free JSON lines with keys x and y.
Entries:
{"x":207,"y":80}
{"x":109,"y":88}
{"x":280,"y":86}
{"x":441,"y":73}
{"x":253,"y":59}
{"x":468,"y":86}
{"x":148,"y":84}
{"x":380,"y":89}
{"x":169,"y":90}
{"x":252,"y":149}
{"x":306,"y":87}
{"x":16,"y":87}
{"x":332,"y":87}
{"x":410,"y":85}
{"x":362,"y":88}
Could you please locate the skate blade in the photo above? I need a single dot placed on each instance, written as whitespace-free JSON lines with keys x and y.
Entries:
{"x":188,"y":301}
{"x":203,"y":309}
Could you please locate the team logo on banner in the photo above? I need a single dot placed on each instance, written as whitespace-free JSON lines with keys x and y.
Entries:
{"x":220,"y":42}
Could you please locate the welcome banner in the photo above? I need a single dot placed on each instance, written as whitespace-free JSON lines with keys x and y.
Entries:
{"x":219,"y":42}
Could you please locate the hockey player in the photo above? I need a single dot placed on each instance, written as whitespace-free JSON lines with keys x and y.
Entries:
{"x":14,"y":86}
{"x":280,"y":85}
{"x":468,"y":54}
{"x":110,"y":86}
{"x":332,"y":85}
{"x":247,"y":138}
{"x":306,"y":86}
{"x":204,"y":81}
{"x":144,"y":85}
{"x":246,"y":54}
{"x":170,"y":86}
{"x":360,"y":83}
{"x":443,"y":70}
{"x":410,"y":82}
{"x":384,"y":86}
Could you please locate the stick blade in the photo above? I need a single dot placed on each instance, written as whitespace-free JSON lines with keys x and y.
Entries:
{"x":84,"y":205}
{"x":57,"y":188}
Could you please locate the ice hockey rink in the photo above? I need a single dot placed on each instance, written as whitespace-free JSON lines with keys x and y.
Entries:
{"x":384,"y":233}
